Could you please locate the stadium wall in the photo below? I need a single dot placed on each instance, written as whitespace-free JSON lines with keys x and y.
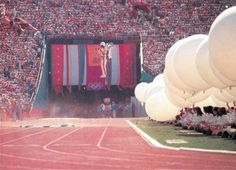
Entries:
{"x":40,"y":103}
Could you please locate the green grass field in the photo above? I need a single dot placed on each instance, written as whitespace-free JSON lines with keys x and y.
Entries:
{"x":170,"y":135}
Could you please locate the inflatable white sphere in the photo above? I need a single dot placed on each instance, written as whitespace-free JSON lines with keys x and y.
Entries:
{"x":202,"y":95}
{"x":159,"y":108}
{"x":222,"y":44}
{"x":219,"y":102}
{"x":177,"y":100}
{"x":155,"y":86}
{"x":140,"y":90}
{"x":184,"y":63}
{"x":207,"y":102}
{"x":202,"y":60}
{"x":159,"y":80}
{"x":224,"y":96}
{"x":151,"y":89}
{"x":173,"y":89}
{"x":169,"y":67}
{"x":231,"y":90}
{"x":220,"y":76}
{"x":228,"y":95}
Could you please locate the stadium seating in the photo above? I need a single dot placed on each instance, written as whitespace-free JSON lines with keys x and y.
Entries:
{"x":159,"y":23}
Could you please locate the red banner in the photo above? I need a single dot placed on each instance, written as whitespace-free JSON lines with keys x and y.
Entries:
{"x":58,"y":54}
{"x":125,"y":51}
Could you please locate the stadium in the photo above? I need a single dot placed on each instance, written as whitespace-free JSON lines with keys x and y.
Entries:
{"x":117,"y":84}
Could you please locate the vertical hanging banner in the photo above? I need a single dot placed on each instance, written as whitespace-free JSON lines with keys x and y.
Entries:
{"x":58,"y":63}
{"x":83,"y":65}
{"x":115,"y":65}
{"x":73,"y":63}
{"x":125,"y":51}
{"x":134,"y":65}
{"x":94,"y":82}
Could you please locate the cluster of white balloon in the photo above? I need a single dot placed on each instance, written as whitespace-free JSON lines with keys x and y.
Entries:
{"x":200,"y":70}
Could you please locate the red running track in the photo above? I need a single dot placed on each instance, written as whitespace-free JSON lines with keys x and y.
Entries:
{"x":113,"y":144}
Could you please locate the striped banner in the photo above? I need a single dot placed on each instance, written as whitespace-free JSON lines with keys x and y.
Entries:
{"x":68,"y":58}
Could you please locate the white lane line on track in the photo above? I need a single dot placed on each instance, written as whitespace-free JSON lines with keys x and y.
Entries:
{"x":155,"y":143}
{"x":42,"y":131}
{"x":30,"y":145}
{"x":74,"y":145}
{"x":130,"y":152}
{"x":54,"y":161}
{"x":45,"y":147}
{"x":149,"y":154}
{"x":58,"y":152}
{"x":103,"y":134}
{"x":119,"y":151}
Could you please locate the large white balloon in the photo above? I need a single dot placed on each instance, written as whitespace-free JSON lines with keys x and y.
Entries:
{"x":185,"y":66}
{"x":152,"y":88}
{"x":159,"y":108}
{"x":202,"y":95}
{"x":224,"y":96}
{"x":159,"y":80}
{"x":207,"y":102}
{"x":220,"y":76}
{"x":219,"y":102}
{"x":222,"y":43}
{"x":231,"y":90}
{"x":173,"y":89}
{"x":140,"y":90}
{"x":170,"y":71}
{"x":177,"y":100}
{"x":202,"y":60}
{"x":228,"y":95}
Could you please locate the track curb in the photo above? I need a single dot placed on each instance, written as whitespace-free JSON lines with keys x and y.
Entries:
{"x":157,"y":144}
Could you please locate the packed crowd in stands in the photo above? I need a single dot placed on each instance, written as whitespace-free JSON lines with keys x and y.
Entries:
{"x":159,"y":23}
{"x":19,"y":62}
{"x":211,"y":121}
{"x":174,"y":20}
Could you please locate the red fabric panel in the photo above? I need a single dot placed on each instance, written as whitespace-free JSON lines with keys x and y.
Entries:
{"x":94,"y":82}
{"x":134,"y":63}
{"x":125,"y":65}
{"x":58,"y":53}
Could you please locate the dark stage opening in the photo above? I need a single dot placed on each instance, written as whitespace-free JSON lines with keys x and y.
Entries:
{"x":82,"y":103}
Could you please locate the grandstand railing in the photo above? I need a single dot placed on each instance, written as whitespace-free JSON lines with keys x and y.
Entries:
{"x":128,"y":36}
